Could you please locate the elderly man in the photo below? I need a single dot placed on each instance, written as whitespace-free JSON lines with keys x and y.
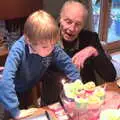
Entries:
{"x":82,"y":46}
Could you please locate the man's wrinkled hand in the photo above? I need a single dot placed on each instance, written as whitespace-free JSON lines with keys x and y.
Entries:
{"x":80,"y":57}
{"x":26,"y":113}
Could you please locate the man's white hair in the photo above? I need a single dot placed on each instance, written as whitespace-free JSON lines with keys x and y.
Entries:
{"x":73,"y":3}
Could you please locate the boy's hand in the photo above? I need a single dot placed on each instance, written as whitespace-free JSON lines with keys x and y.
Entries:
{"x":26,"y":113}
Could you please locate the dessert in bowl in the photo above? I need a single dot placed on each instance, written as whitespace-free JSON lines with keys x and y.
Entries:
{"x":83,"y":98}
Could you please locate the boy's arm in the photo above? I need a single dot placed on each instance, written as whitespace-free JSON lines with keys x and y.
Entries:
{"x":7,"y":88}
{"x":8,"y":95}
{"x":64,"y":62}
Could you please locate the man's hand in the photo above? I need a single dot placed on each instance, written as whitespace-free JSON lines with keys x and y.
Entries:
{"x":1,"y":68}
{"x":26,"y":113}
{"x":80,"y":57}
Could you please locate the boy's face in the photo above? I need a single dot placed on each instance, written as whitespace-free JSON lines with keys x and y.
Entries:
{"x":43,"y":49}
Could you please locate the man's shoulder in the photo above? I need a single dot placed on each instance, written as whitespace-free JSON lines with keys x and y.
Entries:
{"x":87,"y":33}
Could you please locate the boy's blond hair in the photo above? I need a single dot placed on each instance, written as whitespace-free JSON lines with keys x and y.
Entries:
{"x":41,"y":27}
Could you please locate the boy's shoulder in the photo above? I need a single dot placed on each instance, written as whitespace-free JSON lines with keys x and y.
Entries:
{"x":18,"y":47}
{"x":57,"y":47}
{"x":20,"y":43}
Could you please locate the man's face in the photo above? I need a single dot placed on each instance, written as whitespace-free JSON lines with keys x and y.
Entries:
{"x":71,"y":22}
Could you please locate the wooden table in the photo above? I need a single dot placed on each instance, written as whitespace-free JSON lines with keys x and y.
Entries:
{"x":112,"y":86}
{"x":42,"y":111}
{"x":112,"y":99}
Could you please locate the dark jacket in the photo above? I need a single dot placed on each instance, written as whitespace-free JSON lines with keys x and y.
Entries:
{"x":101,"y":63}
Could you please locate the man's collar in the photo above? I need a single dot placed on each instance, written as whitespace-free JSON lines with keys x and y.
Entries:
{"x":76,"y":45}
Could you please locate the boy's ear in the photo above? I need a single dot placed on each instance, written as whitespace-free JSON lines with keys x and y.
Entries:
{"x":26,"y":39}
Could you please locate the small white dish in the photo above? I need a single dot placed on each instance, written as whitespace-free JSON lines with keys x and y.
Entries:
{"x":118,"y":82}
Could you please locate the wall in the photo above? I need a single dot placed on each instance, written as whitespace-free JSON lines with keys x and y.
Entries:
{"x":53,"y":6}
{"x":10,"y":9}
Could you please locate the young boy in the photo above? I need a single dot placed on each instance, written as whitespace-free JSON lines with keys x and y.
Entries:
{"x":30,"y":57}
